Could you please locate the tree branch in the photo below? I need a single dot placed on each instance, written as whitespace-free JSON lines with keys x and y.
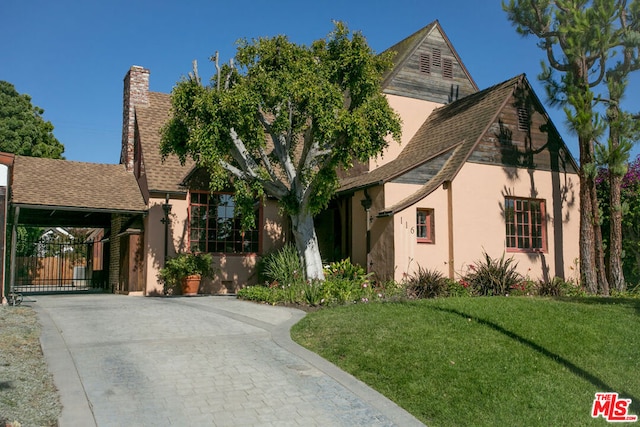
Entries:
{"x":280,"y":148}
{"x":274,"y":189}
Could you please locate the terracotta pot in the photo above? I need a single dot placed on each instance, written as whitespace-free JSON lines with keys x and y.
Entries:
{"x":191,"y":284}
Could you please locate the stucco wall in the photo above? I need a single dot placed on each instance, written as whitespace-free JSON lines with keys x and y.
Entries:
{"x":234,"y":271}
{"x":358,"y":230}
{"x":413,"y":112}
{"x":478,"y":193}
{"x":409,"y":254}
{"x":478,"y":203}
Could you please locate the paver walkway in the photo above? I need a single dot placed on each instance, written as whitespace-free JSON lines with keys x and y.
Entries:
{"x":202,"y":361}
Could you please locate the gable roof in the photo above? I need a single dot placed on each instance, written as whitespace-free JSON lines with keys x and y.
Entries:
{"x":406,"y":48}
{"x":161,"y":175}
{"x":460,"y":123}
{"x":40,"y":182}
{"x":454,"y":128}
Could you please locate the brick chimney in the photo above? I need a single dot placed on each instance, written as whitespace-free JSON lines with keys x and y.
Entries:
{"x":136,"y":92}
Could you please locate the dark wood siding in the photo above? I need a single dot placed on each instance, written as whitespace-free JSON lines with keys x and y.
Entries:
{"x":410,"y":81}
{"x":510,"y":142}
{"x":423,"y":173}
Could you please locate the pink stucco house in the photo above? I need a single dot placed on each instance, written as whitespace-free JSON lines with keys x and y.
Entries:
{"x":476,"y":170}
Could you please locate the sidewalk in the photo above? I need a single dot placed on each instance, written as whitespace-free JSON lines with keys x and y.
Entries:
{"x":201,"y":361}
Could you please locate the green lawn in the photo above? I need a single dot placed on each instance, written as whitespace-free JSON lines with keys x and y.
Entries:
{"x":496,"y":361}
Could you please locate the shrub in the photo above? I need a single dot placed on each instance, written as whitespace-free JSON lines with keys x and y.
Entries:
{"x":524,"y":288}
{"x":552,"y":288}
{"x":426,"y":283}
{"x":283,"y":266}
{"x":259,"y":293}
{"x":345,"y":270}
{"x":312,"y":292}
{"x":458,"y":288}
{"x":493,"y":277}
{"x":558,"y":287}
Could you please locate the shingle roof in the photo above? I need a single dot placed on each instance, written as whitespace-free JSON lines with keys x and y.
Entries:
{"x":457,"y":126}
{"x":63,"y":183}
{"x":161,"y":176}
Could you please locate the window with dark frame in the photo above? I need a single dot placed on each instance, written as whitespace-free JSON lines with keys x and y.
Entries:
{"x":447,"y":68}
{"x":214,"y":225}
{"x":424,"y":226}
{"x":525,"y":224}
{"x":424,"y":64}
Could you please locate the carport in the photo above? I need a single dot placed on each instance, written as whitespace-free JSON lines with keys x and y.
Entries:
{"x":57,"y":195}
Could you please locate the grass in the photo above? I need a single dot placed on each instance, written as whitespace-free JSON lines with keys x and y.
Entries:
{"x":27,"y":394}
{"x":487,"y":361}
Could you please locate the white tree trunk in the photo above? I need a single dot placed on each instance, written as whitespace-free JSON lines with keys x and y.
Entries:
{"x":304,"y":234}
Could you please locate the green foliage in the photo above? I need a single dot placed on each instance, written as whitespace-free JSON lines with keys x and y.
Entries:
{"x":426,"y":283}
{"x":345,"y":283}
{"x":485,"y":361}
{"x":186,"y":264}
{"x":630,"y":201}
{"x":558,"y":287}
{"x":312,"y":292}
{"x":283,"y":267}
{"x":489,"y":276}
{"x":458,"y":288}
{"x":581,"y":41}
{"x":283,"y":119}
{"x":22,"y":129}
{"x":258,"y":293}
{"x":344,"y":269}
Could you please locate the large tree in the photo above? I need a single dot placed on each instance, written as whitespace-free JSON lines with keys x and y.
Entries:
{"x":630,"y":226}
{"x":624,"y":130}
{"x":22,"y":129}
{"x":281,"y":120}
{"x":578,"y":36}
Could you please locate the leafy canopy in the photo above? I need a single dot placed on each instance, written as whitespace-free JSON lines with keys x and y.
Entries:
{"x":283,"y":117}
{"x":22,"y":129}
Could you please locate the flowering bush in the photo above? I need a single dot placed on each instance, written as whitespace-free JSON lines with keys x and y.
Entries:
{"x":458,"y":288}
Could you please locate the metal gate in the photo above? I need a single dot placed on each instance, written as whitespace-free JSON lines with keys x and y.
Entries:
{"x":60,"y":263}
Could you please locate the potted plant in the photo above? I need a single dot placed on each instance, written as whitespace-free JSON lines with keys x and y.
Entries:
{"x":186,"y":269}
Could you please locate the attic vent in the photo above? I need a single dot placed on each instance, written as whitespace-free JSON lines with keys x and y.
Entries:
{"x":447,"y":68}
{"x":523,"y":119}
{"x":436,"y":57}
{"x":425,"y":63}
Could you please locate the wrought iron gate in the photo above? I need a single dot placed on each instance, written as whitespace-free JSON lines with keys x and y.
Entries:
{"x":60,"y":264}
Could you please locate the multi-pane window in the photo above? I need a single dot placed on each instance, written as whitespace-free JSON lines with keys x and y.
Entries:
{"x":214,"y":225}
{"x":525,"y":221}
{"x":424,"y":225}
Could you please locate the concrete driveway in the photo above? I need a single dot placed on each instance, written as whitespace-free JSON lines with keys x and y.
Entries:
{"x":201,"y":361}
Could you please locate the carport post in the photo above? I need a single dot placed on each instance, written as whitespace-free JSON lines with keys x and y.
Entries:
{"x":14,"y":240}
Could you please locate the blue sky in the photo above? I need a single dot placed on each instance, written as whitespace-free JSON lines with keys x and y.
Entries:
{"x":71,"y":56}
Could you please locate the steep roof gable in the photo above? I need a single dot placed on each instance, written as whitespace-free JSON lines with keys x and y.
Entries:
{"x":453,"y":134}
{"x":447,"y":128}
{"x":161,"y":175}
{"x":427,"y":66}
